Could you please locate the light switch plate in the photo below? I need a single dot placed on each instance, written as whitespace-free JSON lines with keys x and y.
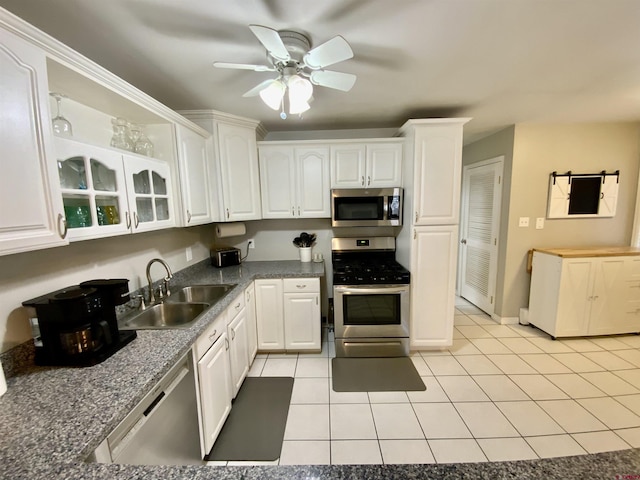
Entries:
{"x":524,"y":222}
{"x":539,"y":223}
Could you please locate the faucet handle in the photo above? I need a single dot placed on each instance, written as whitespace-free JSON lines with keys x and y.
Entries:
{"x":166,"y":286}
{"x":141,"y":306}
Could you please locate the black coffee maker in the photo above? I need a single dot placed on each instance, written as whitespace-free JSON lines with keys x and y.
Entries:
{"x":77,"y":325}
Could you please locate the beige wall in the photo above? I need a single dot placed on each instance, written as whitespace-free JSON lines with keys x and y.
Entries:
{"x":27,"y":275}
{"x":539,"y":150}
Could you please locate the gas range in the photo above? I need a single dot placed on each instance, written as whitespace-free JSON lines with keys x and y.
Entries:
{"x":366,"y":261}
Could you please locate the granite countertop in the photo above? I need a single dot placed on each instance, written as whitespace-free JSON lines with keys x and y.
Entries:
{"x":52,"y":418}
{"x":590,"y":252}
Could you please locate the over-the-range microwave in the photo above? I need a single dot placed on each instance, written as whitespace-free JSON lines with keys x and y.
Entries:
{"x":366,"y":207}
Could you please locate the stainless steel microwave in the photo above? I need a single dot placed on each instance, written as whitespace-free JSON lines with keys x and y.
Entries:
{"x":366,"y":207}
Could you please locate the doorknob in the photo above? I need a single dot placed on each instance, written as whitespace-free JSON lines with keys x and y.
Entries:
{"x":463,"y":241}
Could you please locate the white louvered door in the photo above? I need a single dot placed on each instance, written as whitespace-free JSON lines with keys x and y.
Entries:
{"x":481,"y":200}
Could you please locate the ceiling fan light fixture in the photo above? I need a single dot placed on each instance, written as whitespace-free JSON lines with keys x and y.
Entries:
{"x":300,"y":89}
{"x":296,"y":108}
{"x":273,"y":94}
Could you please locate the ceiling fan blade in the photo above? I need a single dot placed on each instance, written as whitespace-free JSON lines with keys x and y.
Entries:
{"x":244,"y":66}
{"x":271,"y":41}
{"x":258,"y":88}
{"x":333,"y":51}
{"x":330,"y":79}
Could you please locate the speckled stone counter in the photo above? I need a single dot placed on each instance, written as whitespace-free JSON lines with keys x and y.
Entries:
{"x":52,"y":418}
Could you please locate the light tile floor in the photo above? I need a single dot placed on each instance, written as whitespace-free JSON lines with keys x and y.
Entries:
{"x":500,"y":392}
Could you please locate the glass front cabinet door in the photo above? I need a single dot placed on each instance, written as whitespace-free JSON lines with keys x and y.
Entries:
{"x":149,"y":191}
{"x":93,"y":190}
{"x":107,"y":193}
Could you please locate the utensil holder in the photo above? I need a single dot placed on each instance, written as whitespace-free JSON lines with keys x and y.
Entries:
{"x":305,"y":254}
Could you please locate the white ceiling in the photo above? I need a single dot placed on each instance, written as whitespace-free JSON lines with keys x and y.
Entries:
{"x":498,"y":61}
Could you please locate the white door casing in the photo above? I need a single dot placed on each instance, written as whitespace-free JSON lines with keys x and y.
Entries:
{"x":479,"y":230}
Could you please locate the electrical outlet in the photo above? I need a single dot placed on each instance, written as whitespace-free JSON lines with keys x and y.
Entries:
{"x":189,"y":254}
{"x":524,"y":222}
{"x":252,"y":243}
{"x":539,"y":223}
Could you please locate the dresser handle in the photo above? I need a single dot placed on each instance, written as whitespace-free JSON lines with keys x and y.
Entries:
{"x":301,"y":286}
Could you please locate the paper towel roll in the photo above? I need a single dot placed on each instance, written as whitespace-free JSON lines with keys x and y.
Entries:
{"x":3,"y":382}
{"x":224,"y":230}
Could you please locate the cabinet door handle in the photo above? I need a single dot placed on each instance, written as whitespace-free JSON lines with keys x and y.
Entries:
{"x":238,"y":306}
{"x":213,"y":335}
{"x":127,"y":216}
{"x":298,"y":211}
{"x":368,"y":180}
{"x":226,"y":344}
{"x":362,"y":180}
{"x":188,"y":216}
{"x":227,"y":213}
{"x":463,"y":241}
{"x":233,"y":334}
{"x":416,"y":217}
{"x":136,"y":221}
{"x":293,"y":211}
{"x":63,"y":221}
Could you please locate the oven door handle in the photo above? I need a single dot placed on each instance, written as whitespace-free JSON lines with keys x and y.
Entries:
{"x":368,"y":289}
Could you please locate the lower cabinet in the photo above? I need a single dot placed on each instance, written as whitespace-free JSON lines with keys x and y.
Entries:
{"x":434,"y":251}
{"x":252,"y":334}
{"x":578,"y":296}
{"x":288,"y":314}
{"x":214,"y":385}
{"x":238,"y":347}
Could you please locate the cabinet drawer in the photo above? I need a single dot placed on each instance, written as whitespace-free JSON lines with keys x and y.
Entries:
{"x":210,"y":335}
{"x":297,"y":285}
{"x":235,"y":307}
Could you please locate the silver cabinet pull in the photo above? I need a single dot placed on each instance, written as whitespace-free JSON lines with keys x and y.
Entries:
{"x":362,"y":180}
{"x":416,"y":217}
{"x":62,"y":221}
{"x":368,"y":180}
{"x":226,"y":343}
{"x":301,"y":286}
{"x":136,"y":220}
{"x":293,"y":211}
{"x":127,"y":216}
{"x":188,"y":216}
{"x":213,"y":335}
{"x":227,"y":213}
{"x":233,"y":334}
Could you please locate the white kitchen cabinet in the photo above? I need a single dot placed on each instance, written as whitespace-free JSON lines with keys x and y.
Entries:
{"x":302,"y":314}
{"x":252,"y":334}
{"x":269,"y":314}
{"x":214,"y":387}
{"x":31,"y":216}
{"x":106,"y":192}
{"x":434,"y":253}
{"x":238,"y":156}
{"x":288,"y":314}
{"x":238,"y":344}
{"x":436,"y":151}
{"x":366,"y":165}
{"x":196,"y":180}
{"x":579,"y":295}
{"x":294,"y":181}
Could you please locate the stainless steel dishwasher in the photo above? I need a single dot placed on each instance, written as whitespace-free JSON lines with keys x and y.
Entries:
{"x":163,"y":428}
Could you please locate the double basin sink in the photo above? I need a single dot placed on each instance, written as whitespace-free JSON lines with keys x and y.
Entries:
{"x":178,"y":310}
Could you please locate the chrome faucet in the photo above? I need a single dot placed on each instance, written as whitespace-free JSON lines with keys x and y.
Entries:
{"x":152,"y":296}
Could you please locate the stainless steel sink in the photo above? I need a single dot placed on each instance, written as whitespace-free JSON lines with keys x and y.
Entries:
{"x":164,"y":315}
{"x":200,"y":293}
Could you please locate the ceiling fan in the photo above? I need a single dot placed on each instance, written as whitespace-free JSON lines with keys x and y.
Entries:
{"x":299,"y":67}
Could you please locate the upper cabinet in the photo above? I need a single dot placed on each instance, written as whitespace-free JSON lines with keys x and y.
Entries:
{"x":106,"y":192}
{"x":196,"y":177}
{"x":31,"y":213}
{"x":235,"y":187}
{"x":434,"y":149}
{"x":294,"y":180}
{"x":238,"y":155}
{"x":366,"y":164}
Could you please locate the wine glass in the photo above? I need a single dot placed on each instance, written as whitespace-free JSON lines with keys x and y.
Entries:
{"x":61,"y":126}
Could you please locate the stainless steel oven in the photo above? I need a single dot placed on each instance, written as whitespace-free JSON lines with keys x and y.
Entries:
{"x":371,"y":320}
{"x":370,"y":298}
